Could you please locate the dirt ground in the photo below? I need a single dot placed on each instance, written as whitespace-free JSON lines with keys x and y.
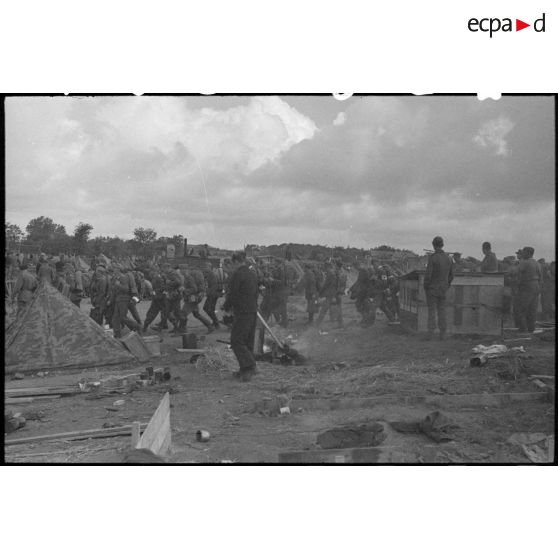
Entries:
{"x":381,"y":362}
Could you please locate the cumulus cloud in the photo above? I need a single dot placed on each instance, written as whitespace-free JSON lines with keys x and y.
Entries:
{"x":340,"y":119}
{"x":492,"y":135}
{"x":234,"y":170}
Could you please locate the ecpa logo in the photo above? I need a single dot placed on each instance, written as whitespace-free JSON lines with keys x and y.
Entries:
{"x":492,"y":25}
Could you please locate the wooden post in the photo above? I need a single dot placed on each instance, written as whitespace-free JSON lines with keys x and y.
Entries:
{"x":136,"y":433}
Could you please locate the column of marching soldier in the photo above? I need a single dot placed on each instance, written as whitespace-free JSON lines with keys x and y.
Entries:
{"x":176,"y":292}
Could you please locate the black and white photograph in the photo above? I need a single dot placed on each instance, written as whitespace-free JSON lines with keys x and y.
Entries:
{"x":279,"y":279}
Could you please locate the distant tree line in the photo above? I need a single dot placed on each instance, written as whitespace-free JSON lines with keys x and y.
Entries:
{"x":42,"y":234}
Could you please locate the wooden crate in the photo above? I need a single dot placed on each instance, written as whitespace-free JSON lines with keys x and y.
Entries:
{"x":473,"y":304}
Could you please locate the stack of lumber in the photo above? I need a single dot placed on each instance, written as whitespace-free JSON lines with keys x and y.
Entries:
{"x":28,"y":394}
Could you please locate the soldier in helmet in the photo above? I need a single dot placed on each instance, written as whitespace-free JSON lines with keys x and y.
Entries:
{"x":159,"y":300}
{"x":120,"y":293}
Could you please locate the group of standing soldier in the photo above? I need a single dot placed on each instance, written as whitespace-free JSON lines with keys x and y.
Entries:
{"x":525,"y":281}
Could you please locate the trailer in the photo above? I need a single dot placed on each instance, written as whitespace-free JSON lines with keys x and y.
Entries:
{"x":474,"y":303}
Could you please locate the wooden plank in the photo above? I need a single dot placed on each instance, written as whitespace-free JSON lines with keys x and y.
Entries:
{"x":23,"y":400}
{"x":75,"y":435}
{"x":36,"y":392}
{"x":447,"y":400}
{"x":344,"y":455}
{"x":157,"y":435}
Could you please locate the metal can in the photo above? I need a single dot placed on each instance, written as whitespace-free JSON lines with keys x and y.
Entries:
{"x":202,"y":436}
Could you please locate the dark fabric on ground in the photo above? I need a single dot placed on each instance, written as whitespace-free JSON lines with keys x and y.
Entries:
{"x":435,"y":425}
{"x":362,"y":435}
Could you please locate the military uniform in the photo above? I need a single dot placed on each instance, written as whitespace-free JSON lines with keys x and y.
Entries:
{"x":311,"y":291}
{"x":547,"y":292}
{"x":134,"y":293}
{"x":489,"y":264}
{"x":159,"y":302}
{"x":45,"y":272}
{"x":175,"y":284}
{"x":24,"y":288}
{"x":242,"y":300}
{"x":214,"y":292}
{"x":529,"y":288}
{"x":332,"y":291}
{"x":99,"y":292}
{"x":120,"y":293}
{"x":74,"y":281}
{"x":194,"y":292}
{"x":280,"y":295}
{"x":360,"y":292}
{"x":437,"y":280}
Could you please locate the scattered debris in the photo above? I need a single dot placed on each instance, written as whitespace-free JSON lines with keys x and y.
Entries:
{"x":202,"y":436}
{"x":537,"y":447}
{"x":484,"y":353}
{"x":271,"y":406}
{"x":13,"y":422}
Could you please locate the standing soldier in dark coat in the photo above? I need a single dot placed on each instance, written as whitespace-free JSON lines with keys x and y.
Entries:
{"x":437,"y":281}
{"x":242,"y":301}
{"x":24,"y":288}
{"x":360,"y":292}
{"x":547,"y":291}
{"x":529,"y":283}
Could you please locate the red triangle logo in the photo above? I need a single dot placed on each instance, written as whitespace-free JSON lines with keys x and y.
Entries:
{"x":519,"y":25}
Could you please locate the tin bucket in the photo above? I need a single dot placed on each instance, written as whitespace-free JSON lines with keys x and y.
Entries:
{"x":189,"y":341}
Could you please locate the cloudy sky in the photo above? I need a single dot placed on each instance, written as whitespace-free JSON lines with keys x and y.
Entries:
{"x":265,"y":170}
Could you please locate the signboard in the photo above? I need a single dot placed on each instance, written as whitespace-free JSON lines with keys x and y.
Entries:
{"x":170,"y":251}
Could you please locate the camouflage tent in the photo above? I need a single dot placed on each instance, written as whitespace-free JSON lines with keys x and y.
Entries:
{"x":54,"y":333}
